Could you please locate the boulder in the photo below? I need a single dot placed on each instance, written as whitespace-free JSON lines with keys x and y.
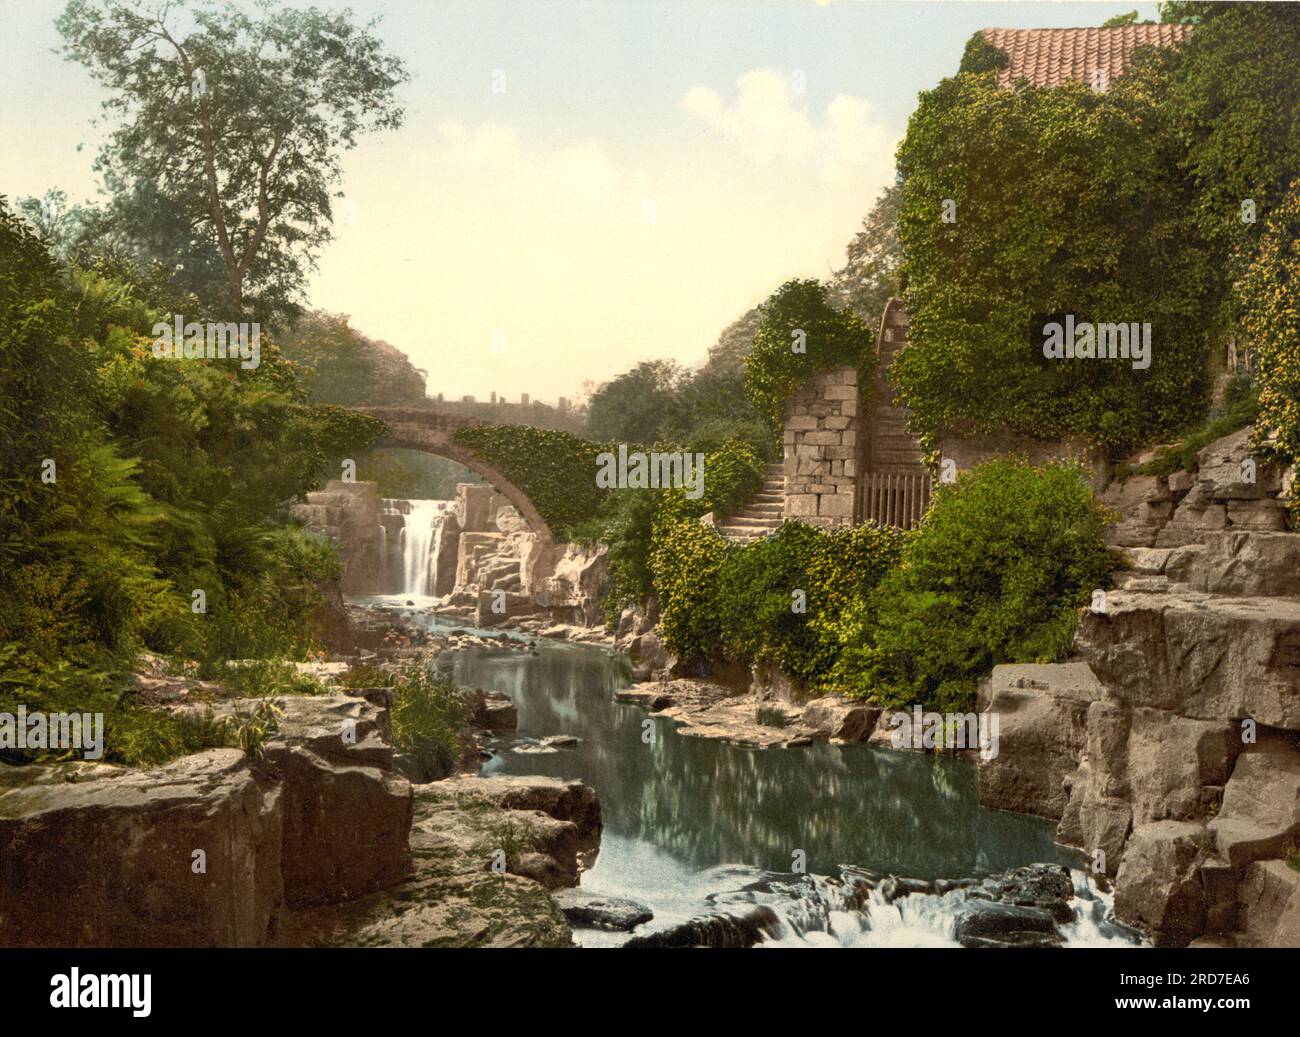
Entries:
{"x":1247,"y":564}
{"x":593,"y":911}
{"x":1219,"y":470}
{"x":1260,"y":814}
{"x":1171,"y":759}
{"x":347,"y":814}
{"x":835,"y":717}
{"x":1270,"y":904}
{"x":1041,"y":712}
{"x":983,"y":923}
{"x":100,"y":856}
{"x":1159,"y":887}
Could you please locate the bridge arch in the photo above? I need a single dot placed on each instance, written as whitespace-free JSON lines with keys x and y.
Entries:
{"x":414,"y":428}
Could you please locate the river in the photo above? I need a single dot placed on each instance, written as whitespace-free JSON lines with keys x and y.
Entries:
{"x":689,"y":817}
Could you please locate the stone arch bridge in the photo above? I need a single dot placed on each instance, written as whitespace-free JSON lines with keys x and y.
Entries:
{"x":417,"y":428}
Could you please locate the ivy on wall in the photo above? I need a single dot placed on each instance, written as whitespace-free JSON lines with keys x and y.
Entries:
{"x":555,"y":470}
{"x":800,"y":332}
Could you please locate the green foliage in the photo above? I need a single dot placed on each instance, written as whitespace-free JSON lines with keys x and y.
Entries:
{"x":686,"y":559}
{"x":787,"y":599}
{"x":427,"y":716}
{"x":286,"y":93}
{"x":784,"y":598}
{"x":632,"y":407}
{"x":1270,"y":293}
{"x":170,"y":476}
{"x":1233,"y":96}
{"x":981,"y":56}
{"x":996,"y":574}
{"x":870,"y":275}
{"x":733,"y":471}
{"x":341,"y":365}
{"x":770,"y":716}
{"x":1065,"y":204}
{"x":1239,"y":413}
{"x":831,"y":337}
{"x":555,"y":470}
{"x":414,"y":474}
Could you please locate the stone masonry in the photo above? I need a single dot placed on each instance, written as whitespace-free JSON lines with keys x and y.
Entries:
{"x":822,"y":443}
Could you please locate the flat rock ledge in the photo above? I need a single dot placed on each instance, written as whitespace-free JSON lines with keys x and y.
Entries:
{"x":547,"y":829}
{"x":704,"y":709}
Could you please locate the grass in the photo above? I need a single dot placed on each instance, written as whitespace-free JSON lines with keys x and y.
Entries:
{"x":1239,"y":413}
{"x":771,"y":716}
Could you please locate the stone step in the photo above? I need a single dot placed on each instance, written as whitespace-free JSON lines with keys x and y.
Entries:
{"x":756,"y":521}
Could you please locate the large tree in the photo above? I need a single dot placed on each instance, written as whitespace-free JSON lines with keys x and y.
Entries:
{"x":232,"y":120}
{"x":870,"y":275}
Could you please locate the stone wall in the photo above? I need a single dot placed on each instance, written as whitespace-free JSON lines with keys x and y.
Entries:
{"x":967,"y":450}
{"x":822,"y":449}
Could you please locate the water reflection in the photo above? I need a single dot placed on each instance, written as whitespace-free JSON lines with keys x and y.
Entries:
{"x":709,"y":803}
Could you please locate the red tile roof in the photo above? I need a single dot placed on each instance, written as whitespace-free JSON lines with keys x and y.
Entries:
{"x":1049,"y":57}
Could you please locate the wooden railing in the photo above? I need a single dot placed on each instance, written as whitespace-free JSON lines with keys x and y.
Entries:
{"x":894,"y":498}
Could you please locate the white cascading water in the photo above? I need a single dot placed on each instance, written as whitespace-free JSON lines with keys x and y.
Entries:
{"x":416,"y":542}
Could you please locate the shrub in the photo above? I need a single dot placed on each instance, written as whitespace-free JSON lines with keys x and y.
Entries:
{"x":833,"y":570}
{"x":996,"y":574}
{"x":427,"y":716}
{"x":685,"y":560}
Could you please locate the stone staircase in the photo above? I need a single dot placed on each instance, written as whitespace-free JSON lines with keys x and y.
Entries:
{"x":762,"y":514}
{"x":895,"y":487}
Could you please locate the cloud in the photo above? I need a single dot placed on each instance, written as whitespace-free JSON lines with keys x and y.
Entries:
{"x":769,"y":121}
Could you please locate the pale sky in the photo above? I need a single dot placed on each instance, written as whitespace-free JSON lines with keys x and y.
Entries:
{"x":651,"y":169}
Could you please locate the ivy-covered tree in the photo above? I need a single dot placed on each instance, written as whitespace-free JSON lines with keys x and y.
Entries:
{"x":1270,"y":299}
{"x":230,"y":130}
{"x":1023,"y":205}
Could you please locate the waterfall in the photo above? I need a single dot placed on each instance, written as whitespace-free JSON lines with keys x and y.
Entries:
{"x":417,"y":544}
{"x":407,"y":566}
{"x":859,"y":909}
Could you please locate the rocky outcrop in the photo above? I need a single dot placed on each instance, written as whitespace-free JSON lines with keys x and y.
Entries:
{"x":1270,"y":904}
{"x":455,"y":897}
{"x":347,"y":814}
{"x":1169,"y":749}
{"x":1231,"y":490}
{"x":184,"y":855}
{"x":349,"y":514}
{"x":1042,"y":718}
{"x":593,"y":911}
